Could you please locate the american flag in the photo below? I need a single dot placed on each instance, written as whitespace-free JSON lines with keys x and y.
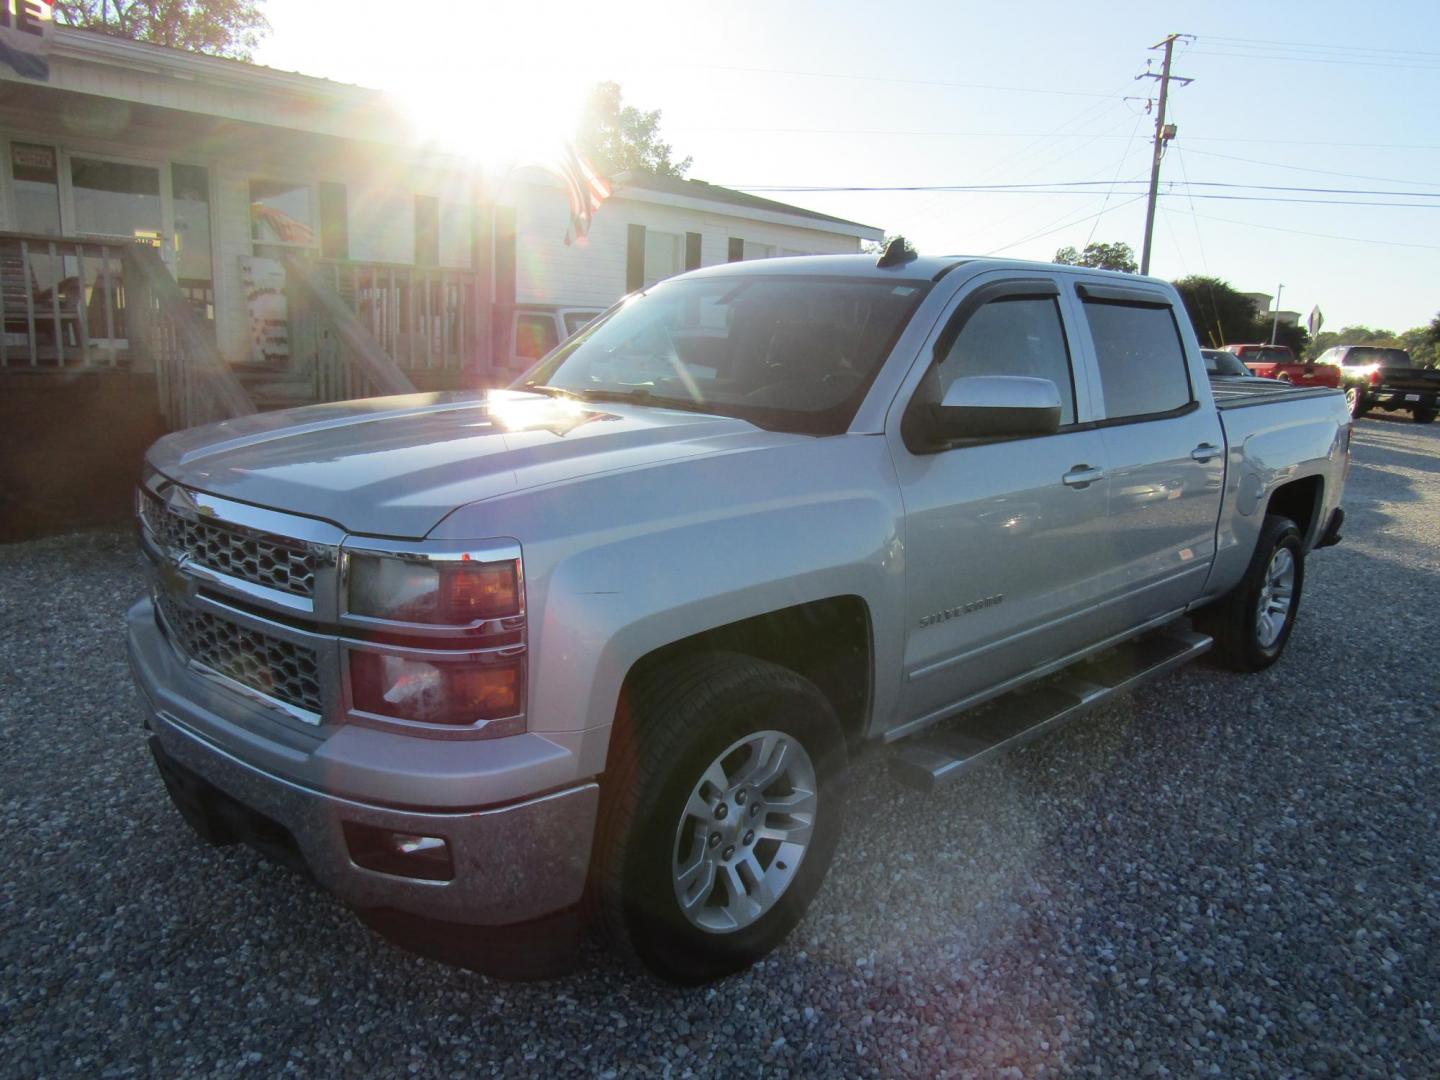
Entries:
{"x":586,"y":187}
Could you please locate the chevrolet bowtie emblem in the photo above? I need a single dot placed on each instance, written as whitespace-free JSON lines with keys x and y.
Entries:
{"x":176,"y":582}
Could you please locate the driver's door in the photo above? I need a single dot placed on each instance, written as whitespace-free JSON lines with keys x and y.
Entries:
{"x":1004,"y":539}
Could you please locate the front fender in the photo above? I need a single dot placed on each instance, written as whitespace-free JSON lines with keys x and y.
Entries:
{"x":620,"y":565}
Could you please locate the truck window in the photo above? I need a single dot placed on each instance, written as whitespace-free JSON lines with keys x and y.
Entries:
{"x":1014,"y":336}
{"x":1142,"y":363}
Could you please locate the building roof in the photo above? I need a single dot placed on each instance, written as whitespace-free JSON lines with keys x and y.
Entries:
{"x":701,"y":189}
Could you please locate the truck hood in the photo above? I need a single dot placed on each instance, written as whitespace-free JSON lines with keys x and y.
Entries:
{"x":397,"y":466}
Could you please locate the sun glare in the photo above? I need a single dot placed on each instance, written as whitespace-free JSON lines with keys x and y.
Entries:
{"x":488,"y":117}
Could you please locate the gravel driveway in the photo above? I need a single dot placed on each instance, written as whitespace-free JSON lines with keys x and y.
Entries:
{"x":1220,"y":876}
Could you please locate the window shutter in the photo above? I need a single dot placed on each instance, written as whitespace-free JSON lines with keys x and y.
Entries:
{"x":427,"y":230}
{"x":737,"y":249}
{"x":635,"y":258}
{"x":334,"y":222}
{"x":692,"y":251}
{"x":504,"y":255}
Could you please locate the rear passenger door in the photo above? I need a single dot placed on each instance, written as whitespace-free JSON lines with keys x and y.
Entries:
{"x":1164,"y":444}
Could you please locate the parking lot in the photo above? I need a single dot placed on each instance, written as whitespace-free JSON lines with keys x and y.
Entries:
{"x":1219,"y":876}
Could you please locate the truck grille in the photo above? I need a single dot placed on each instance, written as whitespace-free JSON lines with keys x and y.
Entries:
{"x":279,"y":669}
{"x":257,"y":557}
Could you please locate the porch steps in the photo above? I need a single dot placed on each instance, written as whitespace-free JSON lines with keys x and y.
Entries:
{"x":271,"y":390}
{"x":1015,"y":719}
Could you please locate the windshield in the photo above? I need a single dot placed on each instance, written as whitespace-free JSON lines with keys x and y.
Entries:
{"x":1267,"y":354}
{"x":787,"y":353}
{"x":1223,"y":363}
{"x":1365,"y":354}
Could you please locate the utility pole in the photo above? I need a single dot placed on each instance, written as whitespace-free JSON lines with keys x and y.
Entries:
{"x":1163,"y":133}
{"x":1275,"y":327}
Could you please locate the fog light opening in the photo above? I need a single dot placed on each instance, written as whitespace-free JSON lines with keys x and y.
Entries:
{"x":426,"y":858}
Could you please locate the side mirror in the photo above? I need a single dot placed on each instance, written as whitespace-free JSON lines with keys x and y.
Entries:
{"x":996,"y":406}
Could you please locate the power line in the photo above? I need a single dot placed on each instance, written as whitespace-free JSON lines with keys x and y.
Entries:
{"x":1338,"y":47}
{"x":901,"y":133}
{"x":1318,"y":236}
{"x":1056,"y":187}
{"x":1308,"y":169}
{"x":1270,"y":58}
{"x":1066,"y":225}
{"x":850,"y":76}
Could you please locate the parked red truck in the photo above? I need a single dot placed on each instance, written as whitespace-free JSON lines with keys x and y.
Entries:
{"x":1278,"y":362}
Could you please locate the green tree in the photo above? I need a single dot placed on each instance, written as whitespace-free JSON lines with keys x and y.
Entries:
{"x":219,"y":27}
{"x":1116,"y":256}
{"x":1220,"y":315}
{"x":877,"y":247}
{"x":620,"y":138}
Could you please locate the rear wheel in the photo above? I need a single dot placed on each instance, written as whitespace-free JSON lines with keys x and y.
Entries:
{"x":1423,"y":416}
{"x":720,"y":812}
{"x":1355,"y":399}
{"x":1252,"y":623}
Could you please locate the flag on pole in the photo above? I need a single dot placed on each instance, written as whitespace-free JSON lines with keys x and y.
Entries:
{"x":586,"y":187}
{"x":1315,"y":321}
{"x":25,"y":27}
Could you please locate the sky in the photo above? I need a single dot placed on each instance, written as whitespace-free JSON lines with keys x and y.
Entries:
{"x":1335,"y":99}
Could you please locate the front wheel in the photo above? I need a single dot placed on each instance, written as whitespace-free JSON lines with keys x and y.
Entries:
{"x":720,"y":811}
{"x":1252,"y":622}
{"x":1424,"y":416}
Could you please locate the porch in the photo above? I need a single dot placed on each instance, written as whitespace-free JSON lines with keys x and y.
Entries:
{"x":102,"y":351}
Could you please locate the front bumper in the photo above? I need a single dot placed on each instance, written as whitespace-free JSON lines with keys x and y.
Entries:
{"x":513,"y":863}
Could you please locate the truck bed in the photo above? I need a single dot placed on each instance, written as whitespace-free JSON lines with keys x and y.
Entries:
{"x":1241,"y":393}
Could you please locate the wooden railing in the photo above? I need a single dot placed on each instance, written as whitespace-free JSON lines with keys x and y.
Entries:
{"x":424,"y":317}
{"x":63,"y":302}
{"x":328,"y":337}
{"x":195,"y":386}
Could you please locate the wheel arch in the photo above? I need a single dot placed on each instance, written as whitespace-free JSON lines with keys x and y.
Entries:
{"x":828,"y":641}
{"x":1300,"y":500}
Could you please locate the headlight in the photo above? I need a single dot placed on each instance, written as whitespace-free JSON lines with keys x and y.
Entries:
{"x":436,"y":592}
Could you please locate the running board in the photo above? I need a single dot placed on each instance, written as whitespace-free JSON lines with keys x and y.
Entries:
{"x":1013,"y":720}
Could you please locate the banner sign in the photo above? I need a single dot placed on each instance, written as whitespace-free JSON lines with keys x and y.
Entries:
{"x":1315,"y":321}
{"x":25,"y":28}
{"x":264,"y":283}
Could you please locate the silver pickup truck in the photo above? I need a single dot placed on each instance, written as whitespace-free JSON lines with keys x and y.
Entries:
{"x":598,"y":649}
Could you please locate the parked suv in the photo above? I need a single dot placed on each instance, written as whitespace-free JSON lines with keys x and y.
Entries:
{"x":1379,"y":378}
{"x":1278,"y":362}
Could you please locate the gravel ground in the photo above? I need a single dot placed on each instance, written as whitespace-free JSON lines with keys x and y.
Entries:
{"x":1220,"y":876}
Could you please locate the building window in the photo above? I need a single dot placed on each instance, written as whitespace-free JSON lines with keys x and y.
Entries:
{"x":282,"y":214}
{"x":382,"y":227}
{"x":664,"y":255}
{"x":37,"y":188}
{"x":113,"y":198}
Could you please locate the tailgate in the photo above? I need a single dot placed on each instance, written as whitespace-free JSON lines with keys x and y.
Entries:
{"x":1411,"y":379}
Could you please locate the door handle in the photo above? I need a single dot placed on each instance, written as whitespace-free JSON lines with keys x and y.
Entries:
{"x":1204,"y":452}
{"x":1082,"y":476}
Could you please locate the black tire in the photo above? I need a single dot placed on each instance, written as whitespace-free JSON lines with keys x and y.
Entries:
{"x":1233,"y":620}
{"x":1355,"y":398}
{"x":1423,"y":416}
{"x":681,"y":717}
